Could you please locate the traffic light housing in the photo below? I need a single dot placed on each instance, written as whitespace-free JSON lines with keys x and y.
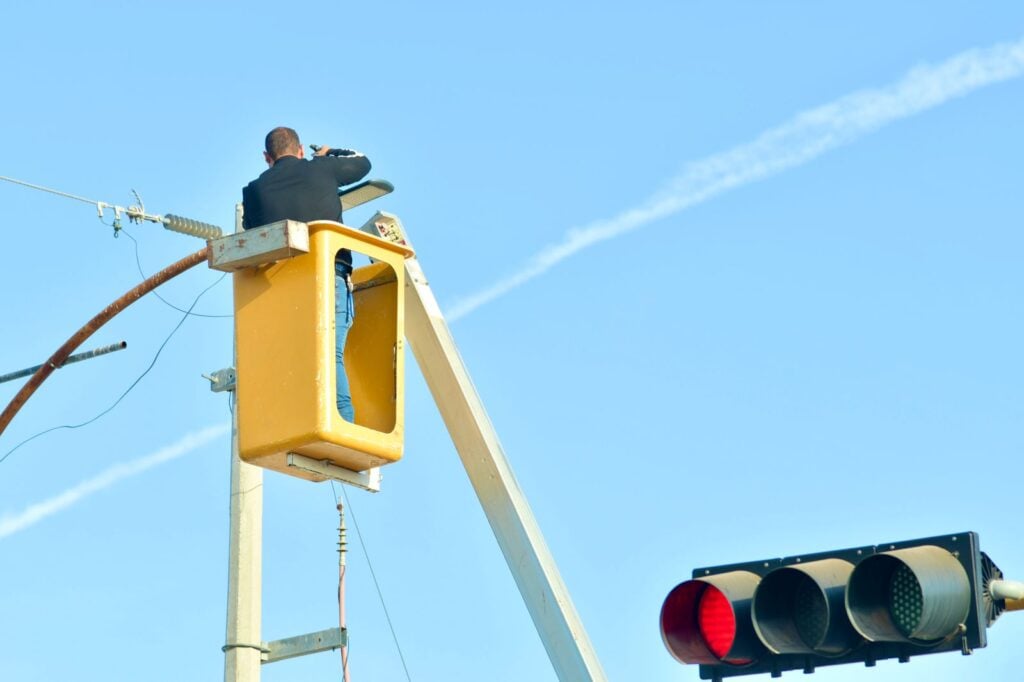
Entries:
{"x":856,"y":605}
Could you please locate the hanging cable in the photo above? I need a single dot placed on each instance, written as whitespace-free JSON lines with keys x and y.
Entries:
{"x":127,"y":390}
{"x":136,"y":214}
{"x":90,"y":327}
{"x":342,"y":566}
{"x":138,"y":264}
{"x":376,"y":584}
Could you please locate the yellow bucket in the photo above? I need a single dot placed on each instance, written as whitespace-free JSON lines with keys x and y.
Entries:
{"x":286,"y":377}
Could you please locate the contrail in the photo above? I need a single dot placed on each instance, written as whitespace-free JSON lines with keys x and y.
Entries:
{"x":803,"y":138}
{"x":35,"y":513}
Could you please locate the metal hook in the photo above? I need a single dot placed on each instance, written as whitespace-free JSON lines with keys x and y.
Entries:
{"x":137,"y":212}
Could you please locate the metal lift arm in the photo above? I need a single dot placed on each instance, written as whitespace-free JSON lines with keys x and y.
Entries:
{"x":546,"y":596}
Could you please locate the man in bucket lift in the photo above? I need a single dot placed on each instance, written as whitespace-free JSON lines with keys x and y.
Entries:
{"x":294,"y":188}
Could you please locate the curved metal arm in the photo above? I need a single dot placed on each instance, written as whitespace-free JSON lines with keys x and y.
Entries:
{"x":90,"y":327}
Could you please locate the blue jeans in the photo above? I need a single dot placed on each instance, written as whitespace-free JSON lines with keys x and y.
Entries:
{"x":344,"y":313}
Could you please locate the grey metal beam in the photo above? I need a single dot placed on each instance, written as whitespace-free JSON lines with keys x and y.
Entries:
{"x":313,"y":643}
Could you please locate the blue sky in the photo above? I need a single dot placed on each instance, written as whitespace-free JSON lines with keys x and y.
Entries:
{"x":819,"y":355}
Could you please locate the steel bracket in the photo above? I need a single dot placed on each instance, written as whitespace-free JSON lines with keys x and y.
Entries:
{"x":367,"y":480}
{"x":221,"y":380}
{"x":313,"y":643}
{"x":259,"y":246}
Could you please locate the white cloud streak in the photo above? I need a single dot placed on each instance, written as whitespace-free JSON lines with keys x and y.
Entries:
{"x":803,"y":138}
{"x":800,"y":140}
{"x":11,"y":524}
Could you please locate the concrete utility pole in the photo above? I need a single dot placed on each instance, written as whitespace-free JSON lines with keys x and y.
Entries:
{"x":243,"y":647}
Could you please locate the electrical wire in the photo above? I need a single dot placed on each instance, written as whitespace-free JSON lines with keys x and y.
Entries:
{"x":138,"y":264}
{"x":133,"y":384}
{"x":47,"y":189}
{"x":376,"y":584}
{"x":346,"y":651}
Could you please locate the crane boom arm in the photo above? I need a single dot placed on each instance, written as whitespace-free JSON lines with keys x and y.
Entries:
{"x":532,"y":566}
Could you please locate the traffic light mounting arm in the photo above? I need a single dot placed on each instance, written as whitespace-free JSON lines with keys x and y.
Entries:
{"x":1011,"y":592}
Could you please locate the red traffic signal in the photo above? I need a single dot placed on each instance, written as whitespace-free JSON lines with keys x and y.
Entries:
{"x":707,"y":620}
{"x":863,"y":604}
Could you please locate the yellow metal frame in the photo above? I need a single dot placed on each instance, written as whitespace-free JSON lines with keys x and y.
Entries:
{"x":284,"y":325}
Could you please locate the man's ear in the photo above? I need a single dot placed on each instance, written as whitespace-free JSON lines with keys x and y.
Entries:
{"x":302,"y":152}
{"x":268,"y":158}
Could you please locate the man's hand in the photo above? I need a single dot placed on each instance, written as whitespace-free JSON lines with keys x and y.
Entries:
{"x":327,"y":151}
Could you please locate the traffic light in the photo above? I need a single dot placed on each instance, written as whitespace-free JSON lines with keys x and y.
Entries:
{"x":856,"y":605}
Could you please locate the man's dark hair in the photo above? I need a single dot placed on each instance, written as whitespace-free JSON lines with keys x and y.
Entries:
{"x":282,"y":141}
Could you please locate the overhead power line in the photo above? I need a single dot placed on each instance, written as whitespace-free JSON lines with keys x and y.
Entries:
{"x":51,"y":191}
{"x":135,"y":214}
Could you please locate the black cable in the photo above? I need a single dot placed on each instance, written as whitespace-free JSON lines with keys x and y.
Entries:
{"x":376,"y":584}
{"x":133,"y":384}
{"x":138,"y":264}
{"x":347,"y":651}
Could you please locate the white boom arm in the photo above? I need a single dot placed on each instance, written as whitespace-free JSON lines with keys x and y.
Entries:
{"x":511,"y":519}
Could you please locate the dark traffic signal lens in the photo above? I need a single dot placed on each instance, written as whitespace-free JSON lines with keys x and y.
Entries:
{"x":800,"y":609}
{"x":917,"y":595}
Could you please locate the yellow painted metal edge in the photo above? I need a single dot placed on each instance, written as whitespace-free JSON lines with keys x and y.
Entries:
{"x":363,"y":237}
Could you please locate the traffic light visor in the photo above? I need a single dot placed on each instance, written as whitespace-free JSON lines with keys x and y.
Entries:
{"x":800,"y":609}
{"x":916,"y":595}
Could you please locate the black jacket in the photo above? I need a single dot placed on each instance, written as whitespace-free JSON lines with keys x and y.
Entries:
{"x":303,"y":190}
